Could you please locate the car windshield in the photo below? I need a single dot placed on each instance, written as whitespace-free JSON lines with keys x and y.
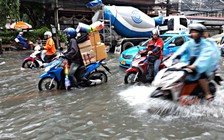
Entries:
{"x":164,"y":38}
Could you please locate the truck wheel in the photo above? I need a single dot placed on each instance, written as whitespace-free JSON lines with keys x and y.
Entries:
{"x":127,"y":45}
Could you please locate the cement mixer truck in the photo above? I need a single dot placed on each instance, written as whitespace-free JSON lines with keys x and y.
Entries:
{"x":126,"y":26}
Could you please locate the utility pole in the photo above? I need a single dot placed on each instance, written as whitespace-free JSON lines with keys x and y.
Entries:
{"x":167,"y":7}
{"x":1,"y":51}
{"x":56,"y":22}
{"x":179,"y":6}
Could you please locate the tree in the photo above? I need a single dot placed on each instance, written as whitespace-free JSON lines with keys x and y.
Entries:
{"x":35,"y":12}
{"x":9,"y":9}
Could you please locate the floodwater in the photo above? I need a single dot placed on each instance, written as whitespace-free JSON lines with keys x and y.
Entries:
{"x":110,"y":111}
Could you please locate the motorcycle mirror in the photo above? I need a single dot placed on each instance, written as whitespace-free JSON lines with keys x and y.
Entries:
{"x":60,"y":49}
{"x":138,"y":47}
{"x":103,"y":63}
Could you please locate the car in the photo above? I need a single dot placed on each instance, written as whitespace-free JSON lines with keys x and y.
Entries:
{"x":221,"y":46}
{"x":172,"y":41}
{"x":218,"y":37}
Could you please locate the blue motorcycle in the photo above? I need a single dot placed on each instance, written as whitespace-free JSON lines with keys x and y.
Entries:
{"x":54,"y":76}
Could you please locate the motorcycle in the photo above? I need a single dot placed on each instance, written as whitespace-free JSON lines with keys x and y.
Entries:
{"x":55,"y":77}
{"x":138,"y":72}
{"x":36,"y":59}
{"x":169,"y":85}
{"x":18,"y":46}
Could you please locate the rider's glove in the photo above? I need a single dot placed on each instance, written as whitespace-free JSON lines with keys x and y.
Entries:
{"x":150,"y":52}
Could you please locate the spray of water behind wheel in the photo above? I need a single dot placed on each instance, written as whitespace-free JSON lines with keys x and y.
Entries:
{"x":138,"y":97}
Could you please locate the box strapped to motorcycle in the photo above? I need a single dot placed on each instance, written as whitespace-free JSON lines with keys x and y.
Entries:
{"x":87,"y":53}
{"x":93,"y":50}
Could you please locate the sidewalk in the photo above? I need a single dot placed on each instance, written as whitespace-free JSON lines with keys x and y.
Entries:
{"x":6,"y":47}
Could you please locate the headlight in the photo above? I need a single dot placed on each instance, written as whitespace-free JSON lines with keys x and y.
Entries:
{"x":47,"y":69}
{"x":126,"y":56}
{"x":138,"y":56}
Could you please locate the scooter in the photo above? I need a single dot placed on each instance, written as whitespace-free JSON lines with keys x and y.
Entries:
{"x":169,"y":85}
{"x":36,"y":59}
{"x":19,"y":47}
{"x":141,"y":69}
{"x":54,"y":76}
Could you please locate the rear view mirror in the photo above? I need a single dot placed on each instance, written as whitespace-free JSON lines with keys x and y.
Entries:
{"x":171,"y":46}
{"x":60,"y":49}
{"x":222,"y":41}
{"x":179,"y":41}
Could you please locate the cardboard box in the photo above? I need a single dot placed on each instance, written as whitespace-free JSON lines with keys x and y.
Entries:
{"x":86,"y":49}
{"x":100,"y":51}
{"x":88,"y":57}
{"x":87,"y":52}
{"x":84,"y":44}
{"x":95,"y":38}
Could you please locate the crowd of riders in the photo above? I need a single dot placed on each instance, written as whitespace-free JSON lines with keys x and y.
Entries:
{"x":200,"y":53}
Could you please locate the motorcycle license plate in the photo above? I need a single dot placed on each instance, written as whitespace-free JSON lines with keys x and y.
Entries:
{"x":123,"y":62}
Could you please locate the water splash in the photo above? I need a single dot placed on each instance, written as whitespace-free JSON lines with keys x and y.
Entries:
{"x":2,"y":63}
{"x":138,"y":97}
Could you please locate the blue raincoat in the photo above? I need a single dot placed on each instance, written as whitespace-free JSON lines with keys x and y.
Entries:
{"x":22,"y":40}
{"x":207,"y":56}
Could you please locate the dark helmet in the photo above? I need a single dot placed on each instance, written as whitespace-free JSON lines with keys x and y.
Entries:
{"x":197,"y":27}
{"x":70,"y":32}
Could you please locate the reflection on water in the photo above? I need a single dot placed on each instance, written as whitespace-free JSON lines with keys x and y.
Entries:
{"x":108,"y":111}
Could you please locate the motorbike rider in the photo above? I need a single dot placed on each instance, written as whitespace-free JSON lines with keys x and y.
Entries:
{"x":22,"y":40}
{"x":202,"y":56}
{"x":49,"y":47}
{"x":73,"y":55}
{"x":155,"y":50}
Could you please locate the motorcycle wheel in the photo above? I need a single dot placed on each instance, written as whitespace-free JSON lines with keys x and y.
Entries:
{"x":100,"y":75}
{"x":129,"y":78}
{"x":30,"y":64}
{"x":44,"y":84}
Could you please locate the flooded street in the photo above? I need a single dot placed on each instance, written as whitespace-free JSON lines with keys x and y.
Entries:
{"x":109,"y":111}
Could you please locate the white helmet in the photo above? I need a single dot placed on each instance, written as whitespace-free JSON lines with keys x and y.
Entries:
{"x":155,"y":32}
{"x":48,"y":33}
{"x":21,"y":33}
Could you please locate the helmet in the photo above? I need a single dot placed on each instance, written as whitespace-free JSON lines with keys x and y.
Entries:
{"x":21,"y":33}
{"x":155,"y":32}
{"x":48,"y":33}
{"x":197,"y":27}
{"x":70,"y":32}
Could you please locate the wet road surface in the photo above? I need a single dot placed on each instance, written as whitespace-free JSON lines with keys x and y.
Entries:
{"x":109,"y":111}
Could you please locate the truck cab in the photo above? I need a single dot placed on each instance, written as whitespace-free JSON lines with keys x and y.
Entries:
{"x":174,"y":23}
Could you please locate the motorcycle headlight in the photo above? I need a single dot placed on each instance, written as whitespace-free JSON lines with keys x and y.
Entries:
{"x":47,"y":69}
{"x":137,"y":56}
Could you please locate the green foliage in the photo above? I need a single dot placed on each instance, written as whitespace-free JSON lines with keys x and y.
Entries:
{"x":9,"y":8}
{"x":62,"y":37}
{"x":37,"y":33}
{"x":8,"y":36}
{"x":34,"y":12}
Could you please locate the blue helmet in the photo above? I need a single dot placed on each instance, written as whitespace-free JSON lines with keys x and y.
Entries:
{"x":70,"y":32}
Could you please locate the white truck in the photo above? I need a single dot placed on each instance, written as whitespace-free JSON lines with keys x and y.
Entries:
{"x":126,"y":26}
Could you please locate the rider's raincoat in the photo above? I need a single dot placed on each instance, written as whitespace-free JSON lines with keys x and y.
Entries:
{"x":207,"y":56}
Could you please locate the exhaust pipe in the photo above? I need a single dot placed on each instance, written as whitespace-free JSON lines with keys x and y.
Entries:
{"x":95,"y":82}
